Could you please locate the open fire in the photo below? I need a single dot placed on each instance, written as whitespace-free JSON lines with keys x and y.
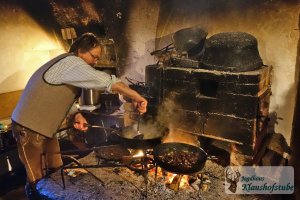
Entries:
{"x":178,"y":135}
{"x":173,"y":181}
{"x":178,"y":182}
{"x":116,"y":181}
{"x":137,"y":153}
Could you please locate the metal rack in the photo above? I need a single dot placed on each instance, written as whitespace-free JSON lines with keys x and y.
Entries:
{"x":138,"y":164}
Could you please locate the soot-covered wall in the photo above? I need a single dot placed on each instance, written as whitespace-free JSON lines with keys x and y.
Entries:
{"x":273,"y":23}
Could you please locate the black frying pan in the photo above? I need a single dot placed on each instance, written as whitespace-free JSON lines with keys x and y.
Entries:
{"x":152,"y":135}
{"x":182,"y":164}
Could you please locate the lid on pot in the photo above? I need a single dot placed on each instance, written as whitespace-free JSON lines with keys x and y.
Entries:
{"x":231,"y":51}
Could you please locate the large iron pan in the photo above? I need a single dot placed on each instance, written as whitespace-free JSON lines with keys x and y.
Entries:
{"x":179,"y":168}
{"x":151,"y":136}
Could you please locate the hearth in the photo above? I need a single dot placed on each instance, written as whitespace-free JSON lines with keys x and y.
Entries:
{"x":139,"y":162}
{"x":119,"y":182}
{"x":224,"y":96}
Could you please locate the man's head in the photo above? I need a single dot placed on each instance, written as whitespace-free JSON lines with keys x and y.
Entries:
{"x":87,"y":47}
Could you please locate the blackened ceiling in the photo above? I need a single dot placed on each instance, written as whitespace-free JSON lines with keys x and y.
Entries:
{"x":100,"y":17}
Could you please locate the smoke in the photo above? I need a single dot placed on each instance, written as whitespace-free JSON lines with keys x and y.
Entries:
{"x":170,"y":116}
{"x":166,"y":112}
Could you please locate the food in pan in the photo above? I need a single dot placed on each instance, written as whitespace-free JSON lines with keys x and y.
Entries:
{"x":179,"y":158}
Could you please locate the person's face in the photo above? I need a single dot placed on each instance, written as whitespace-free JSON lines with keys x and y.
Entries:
{"x":92,"y":56}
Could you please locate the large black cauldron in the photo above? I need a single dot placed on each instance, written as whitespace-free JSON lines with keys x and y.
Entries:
{"x":231,"y":51}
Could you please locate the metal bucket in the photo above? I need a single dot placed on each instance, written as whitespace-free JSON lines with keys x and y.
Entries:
{"x":89,"y":97}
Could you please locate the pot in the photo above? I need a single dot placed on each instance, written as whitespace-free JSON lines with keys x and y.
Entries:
{"x":89,"y":97}
{"x":189,"y":40}
{"x":231,"y":51}
{"x":152,"y":135}
{"x":182,"y":163}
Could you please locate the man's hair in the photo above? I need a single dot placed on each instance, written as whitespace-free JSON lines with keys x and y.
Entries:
{"x":85,"y":42}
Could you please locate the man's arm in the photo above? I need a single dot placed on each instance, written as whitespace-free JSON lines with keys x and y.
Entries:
{"x":139,"y":101}
{"x":119,"y":87}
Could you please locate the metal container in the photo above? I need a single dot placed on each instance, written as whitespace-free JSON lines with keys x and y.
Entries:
{"x":89,"y":97}
{"x":231,"y":51}
{"x":190,"y":41}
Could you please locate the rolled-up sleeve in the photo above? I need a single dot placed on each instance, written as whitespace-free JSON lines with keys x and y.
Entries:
{"x":114,"y":80}
{"x":72,"y":70}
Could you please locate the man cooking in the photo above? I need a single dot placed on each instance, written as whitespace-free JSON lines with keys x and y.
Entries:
{"x":47,"y":98}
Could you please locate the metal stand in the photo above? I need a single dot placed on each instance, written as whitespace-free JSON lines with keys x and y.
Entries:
{"x":138,"y":164}
{"x":85,"y":167}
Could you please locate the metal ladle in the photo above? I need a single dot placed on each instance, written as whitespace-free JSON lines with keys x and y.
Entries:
{"x":139,"y":135}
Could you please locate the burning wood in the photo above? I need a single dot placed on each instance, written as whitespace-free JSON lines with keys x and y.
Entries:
{"x":205,"y":182}
{"x":174,"y":185}
{"x":199,"y":182}
{"x":137,"y":153}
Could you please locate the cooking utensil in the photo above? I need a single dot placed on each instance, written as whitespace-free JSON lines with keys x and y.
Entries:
{"x":89,"y":97}
{"x":231,"y":51}
{"x":98,"y":126}
{"x":139,"y":135}
{"x":112,"y":152}
{"x":189,"y":40}
{"x":93,"y":126}
{"x":152,"y":134}
{"x":179,"y":152}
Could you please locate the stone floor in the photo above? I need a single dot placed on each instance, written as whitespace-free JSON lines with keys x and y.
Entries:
{"x":121,"y":183}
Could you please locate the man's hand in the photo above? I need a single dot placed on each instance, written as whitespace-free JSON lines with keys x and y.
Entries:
{"x":141,"y":105}
{"x":80,"y":122}
{"x":138,"y":101}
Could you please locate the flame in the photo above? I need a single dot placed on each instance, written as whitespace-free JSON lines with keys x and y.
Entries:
{"x":175,"y":181}
{"x":138,"y":153}
{"x":184,"y":179}
{"x":168,"y":178}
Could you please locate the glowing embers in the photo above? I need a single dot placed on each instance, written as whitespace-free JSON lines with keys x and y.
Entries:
{"x":140,"y":160}
{"x":176,"y":182}
{"x":137,"y":153}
